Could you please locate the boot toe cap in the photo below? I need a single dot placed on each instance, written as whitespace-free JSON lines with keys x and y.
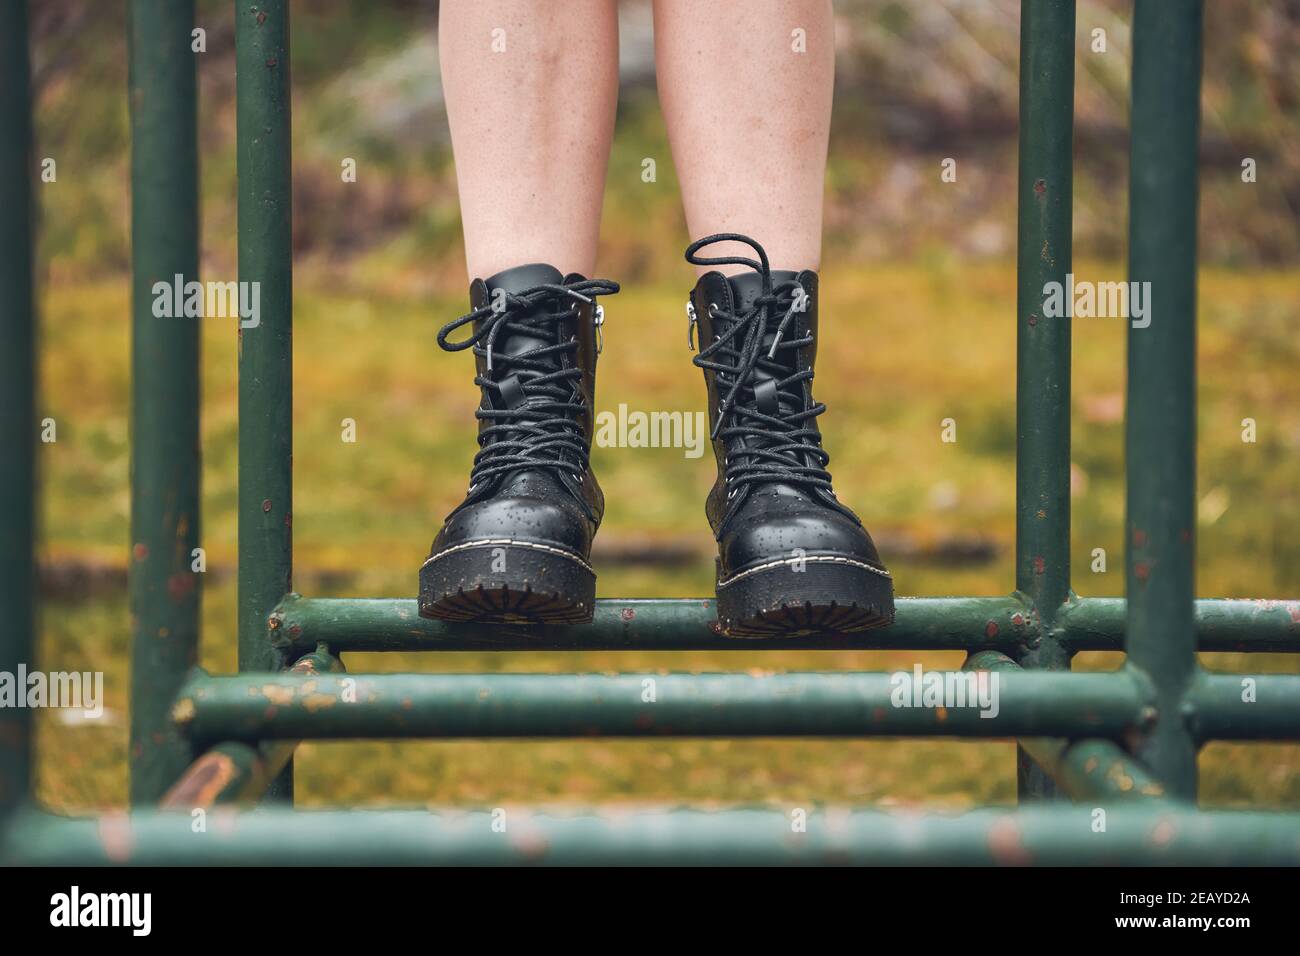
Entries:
{"x":789,"y":536}
{"x":518,"y":518}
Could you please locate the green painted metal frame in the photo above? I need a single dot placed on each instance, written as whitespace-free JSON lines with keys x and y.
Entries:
{"x":1125,"y":741}
{"x":165,"y":445}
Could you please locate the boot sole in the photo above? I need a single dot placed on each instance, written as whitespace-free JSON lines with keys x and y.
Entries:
{"x":506,"y":581}
{"x":831,"y":593}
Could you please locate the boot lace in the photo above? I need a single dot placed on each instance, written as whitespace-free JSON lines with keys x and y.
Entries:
{"x":782,"y":447}
{"x":541,"y":423}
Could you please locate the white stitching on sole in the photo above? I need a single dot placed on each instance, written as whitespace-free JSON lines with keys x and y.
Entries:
{"x":506,"y":542}
{"x":813,"y":559}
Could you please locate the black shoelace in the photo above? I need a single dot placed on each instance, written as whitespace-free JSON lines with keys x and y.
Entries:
{"x":761,"y":447}
{"x":541,"y":427}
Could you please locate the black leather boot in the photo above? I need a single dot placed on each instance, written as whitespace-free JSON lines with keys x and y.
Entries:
{"x":791,"y":558}
{"x":517,"y":549}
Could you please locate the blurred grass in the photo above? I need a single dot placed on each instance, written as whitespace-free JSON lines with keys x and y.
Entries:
{"x":904,"y":346}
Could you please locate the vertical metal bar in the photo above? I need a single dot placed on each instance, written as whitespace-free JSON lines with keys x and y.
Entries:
{"x":1045,"y":199}
{"x":1161,"y":408}
{"x":266,"y":349}
{"x":17,"y":397}
{"x":165,"y":470}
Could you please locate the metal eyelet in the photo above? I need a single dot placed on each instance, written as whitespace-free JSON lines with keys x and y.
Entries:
{"x":598,"y":321}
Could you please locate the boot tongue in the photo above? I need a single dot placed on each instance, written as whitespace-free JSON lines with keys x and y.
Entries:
{"x":748,"y":286}
{"x":745,"y":289}
{"x":514,"y":281}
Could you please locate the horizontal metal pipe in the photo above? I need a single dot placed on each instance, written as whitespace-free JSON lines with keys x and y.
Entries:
{"x":819,"y":704}
{"x":234,"y":771}
{"x":1244,"y":707}
{"x":1142,"y":835}
{"x":923,"y":624}
{"x":363,"y":624}
{"x":1252,"y":624}
{"x":1082,"y":769}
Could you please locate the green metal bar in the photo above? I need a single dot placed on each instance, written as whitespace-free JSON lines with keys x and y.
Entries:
{"x":1221,"y":624}
{"x":266,"y":350}
{"x":367,"y":624}
{"x":1161,"y":405}
{"x":1135,"y":835}
{"x":1084,"y":769}
{"x":165,"y":470}
{"x":688,"y":624}
{"x":18,"y":423}
{"x":237,"y":772}
{"x":1094,"y":770}
{"x":1043,"y":250}
{"x":818,"y":704}
{"x":1244,"y":707}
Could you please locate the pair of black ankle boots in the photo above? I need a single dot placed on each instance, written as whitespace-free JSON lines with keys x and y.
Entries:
{"x":791,"y":560}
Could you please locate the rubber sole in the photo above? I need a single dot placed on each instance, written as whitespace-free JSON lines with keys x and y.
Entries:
{"x":505,"y":581}
{"x":798,"y":596}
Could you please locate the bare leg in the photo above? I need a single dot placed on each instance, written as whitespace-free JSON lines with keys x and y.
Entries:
{"x":531,"y":126}
{"x":749,"y":118}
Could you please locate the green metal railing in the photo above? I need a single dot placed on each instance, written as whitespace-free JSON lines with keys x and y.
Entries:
{"x":1123,"y":741}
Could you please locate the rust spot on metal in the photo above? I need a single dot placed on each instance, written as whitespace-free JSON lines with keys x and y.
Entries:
{"x":1090,"y":765}
{"x":531,"y":843}
{"x":115,"y":835}
{"x":140,"y":551}
{"x":295,"y":630}
{"x":1162,"y":833}
{"x":1033,"y":320}
{"x":1005,"y":845}
{"x":627,"y":614}
{"x":1142,"y":571}
{"x":266,"y":504}
{"x":201,"y":784}
{"x":1039,"y":564}
{"x":1018,"y":619}
{"x":1139,"y":538}
{"x":261,"y":17}
{"x":318,"y":702}
{"x":274,"y":693}
{"x":180,"y":586}
{"x":271,"y":62}
{"x":1040,"y":187}
{"x":991,"y":629}
{"x":941,"y":715}
{"x":183,"y":710}
{"x":288,"y":519}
